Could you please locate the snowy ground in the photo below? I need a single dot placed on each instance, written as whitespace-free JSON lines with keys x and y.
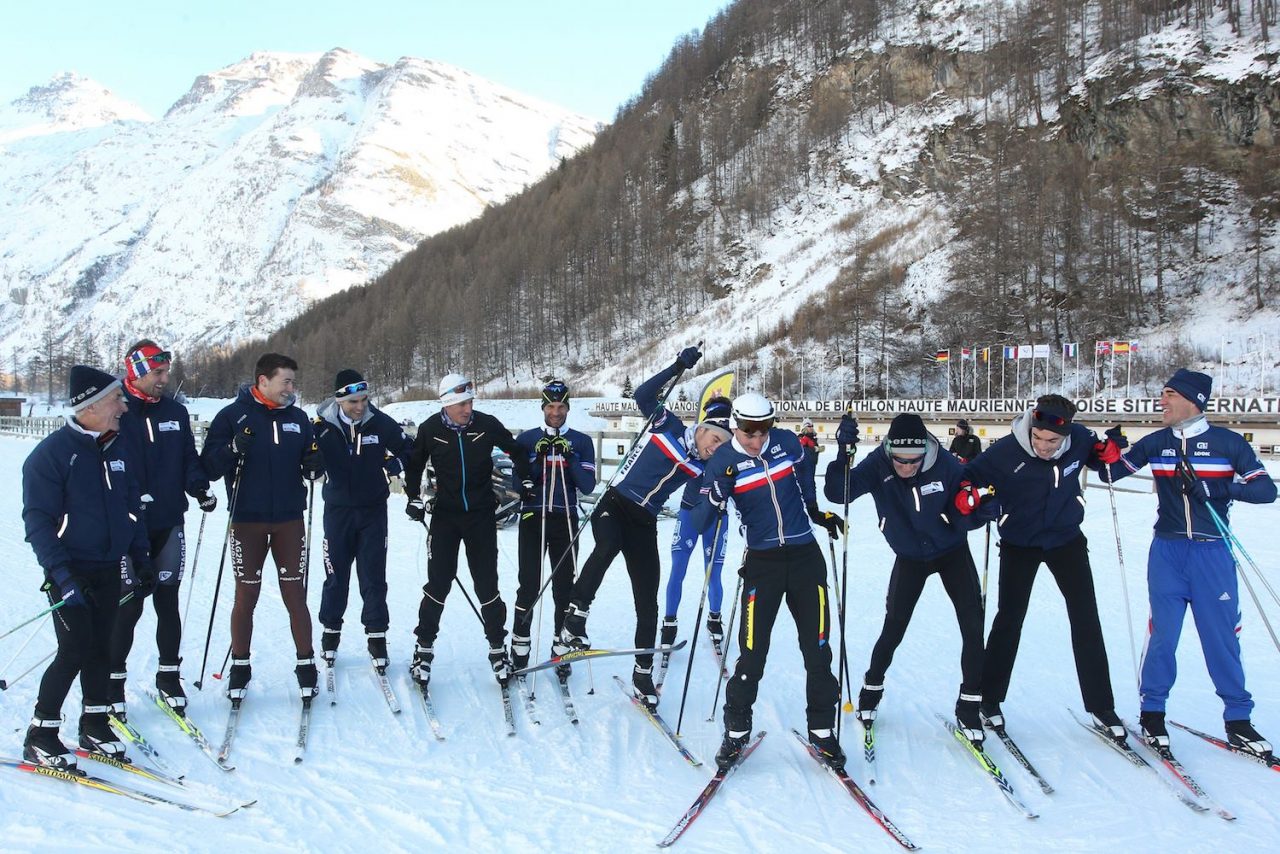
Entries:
{"x":612,"y":783}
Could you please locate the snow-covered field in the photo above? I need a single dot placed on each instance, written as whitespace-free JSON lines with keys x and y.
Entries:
{"x":612,"y":783}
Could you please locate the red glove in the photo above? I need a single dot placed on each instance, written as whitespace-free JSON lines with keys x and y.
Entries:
{"x":1108,"y":452}
{"x":968,"y":498}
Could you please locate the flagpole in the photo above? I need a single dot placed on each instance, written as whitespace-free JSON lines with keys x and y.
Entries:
{"x":1093,"y":383}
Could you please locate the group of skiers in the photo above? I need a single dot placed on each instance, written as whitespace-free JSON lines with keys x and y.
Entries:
{"x":109,"y":532}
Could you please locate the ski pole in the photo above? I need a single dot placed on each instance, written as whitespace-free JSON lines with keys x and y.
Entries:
{"x":306,"y":534}
{"x":195,"y":561}
{"x":222,"y":562}
{"x":572,"y":551}
{"x":470,"y":601}
{"x":844,"y":586}
{"x":55,"y":606}
{"x":622,"y":466}
{"x":847,"y":687}
{"x":697,"y":621}
{"x":4,"y":686}
{"x":728,"y":639}
{"x":986,"y":564}
{"x":1124,"y":583}
{"x":542,"y":554}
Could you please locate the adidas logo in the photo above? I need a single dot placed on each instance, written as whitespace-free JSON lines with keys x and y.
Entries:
{"x":1225,"y":597}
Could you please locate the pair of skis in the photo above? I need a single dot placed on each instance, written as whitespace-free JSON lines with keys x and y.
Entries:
{"x":527,"y":697}
{"x":84,"y":778}
{"x":1179,"y":781}
{"x":839,"y":774}
{"x":379,"y":675}
{"x":131,"y":735}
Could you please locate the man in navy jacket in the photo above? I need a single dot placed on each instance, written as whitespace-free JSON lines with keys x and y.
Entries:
{"x":913,"y":482}
{"x":157,"y":432}
{"x":1199,"y":469}
{"x":767,"y":475}
{"x":625,"y":520}
{"x":83,"y":513}
{"x":1035,"y":472}
{"x":564,"y":467}
{"x":363,"y":449}
{"x":262,"y":446}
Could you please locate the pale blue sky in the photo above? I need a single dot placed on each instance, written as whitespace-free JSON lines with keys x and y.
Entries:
{"x":588,"y":56}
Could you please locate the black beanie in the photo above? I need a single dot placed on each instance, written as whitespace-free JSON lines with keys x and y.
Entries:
{"x":86,"y":386}
{"x":346,"y":377}
{"x":907,"y":433}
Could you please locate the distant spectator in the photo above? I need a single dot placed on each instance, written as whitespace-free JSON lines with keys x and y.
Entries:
{"x":965,"y":445}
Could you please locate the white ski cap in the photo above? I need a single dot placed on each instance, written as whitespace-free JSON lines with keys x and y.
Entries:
{"x":455,"y":388}
{"x":751,"y":406}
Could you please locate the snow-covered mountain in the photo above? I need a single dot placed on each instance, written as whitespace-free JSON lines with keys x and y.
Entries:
{"x":273,"y":182}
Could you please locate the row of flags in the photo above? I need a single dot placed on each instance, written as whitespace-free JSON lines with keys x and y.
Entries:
{"x":1038,"y":351}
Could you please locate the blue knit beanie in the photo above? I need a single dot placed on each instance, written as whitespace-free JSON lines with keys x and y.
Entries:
{"x":1195,"y":387}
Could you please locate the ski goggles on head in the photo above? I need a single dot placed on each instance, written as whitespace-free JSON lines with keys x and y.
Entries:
{"x":350,"y":389}
{"x":754,"y":429}
{"x":461,"y":388}
{"x":145,"y":359}
{"x":1049,"y":419}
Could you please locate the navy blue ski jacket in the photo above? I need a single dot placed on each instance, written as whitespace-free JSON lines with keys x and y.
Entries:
{"x":360,"y":458}
{"x":159,"y":441}
{"x":1041,"y":501}
{"x":1215,"y":453}
{"x":918,"y":516}
{"x":81,"y":504}
{"x":667,"y":458}
{"x":271,"y":484}
{"x":772,"y":492}
{"x":578,"y":470}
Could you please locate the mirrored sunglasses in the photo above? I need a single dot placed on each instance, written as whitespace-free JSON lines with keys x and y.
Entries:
{"x":361,"y":387}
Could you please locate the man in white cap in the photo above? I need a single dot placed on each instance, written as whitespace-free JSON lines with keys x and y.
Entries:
{"x":458,"y":443}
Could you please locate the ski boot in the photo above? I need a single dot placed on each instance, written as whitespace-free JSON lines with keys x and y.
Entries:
{"x":868,"y":699}
{"x":574,"y":634}
{"x":824,"y":741}
{"x":968,"y":720}
{"x":420,"y":666}
{"x":501,"y":665}
{"x":563,"y":671}
{"x":991,"y":715}
{"x":376,"y":642}
{"x":169,"y":686}
{"x":1108,"y":720}
{"x":1241,"y":734}
{"x":731,"y":748}
{"x":42,"y":745}
{"x":642,"y":685}
{"x":329,"y":639}
{"x":308,"y":678}
{"x":96,"y":734}
{"x":1154,"y":732}
{"x":668,"y":636}
{"x":238,"y":677}
{"x":520,"y":648}
{"x":715,"y":628}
